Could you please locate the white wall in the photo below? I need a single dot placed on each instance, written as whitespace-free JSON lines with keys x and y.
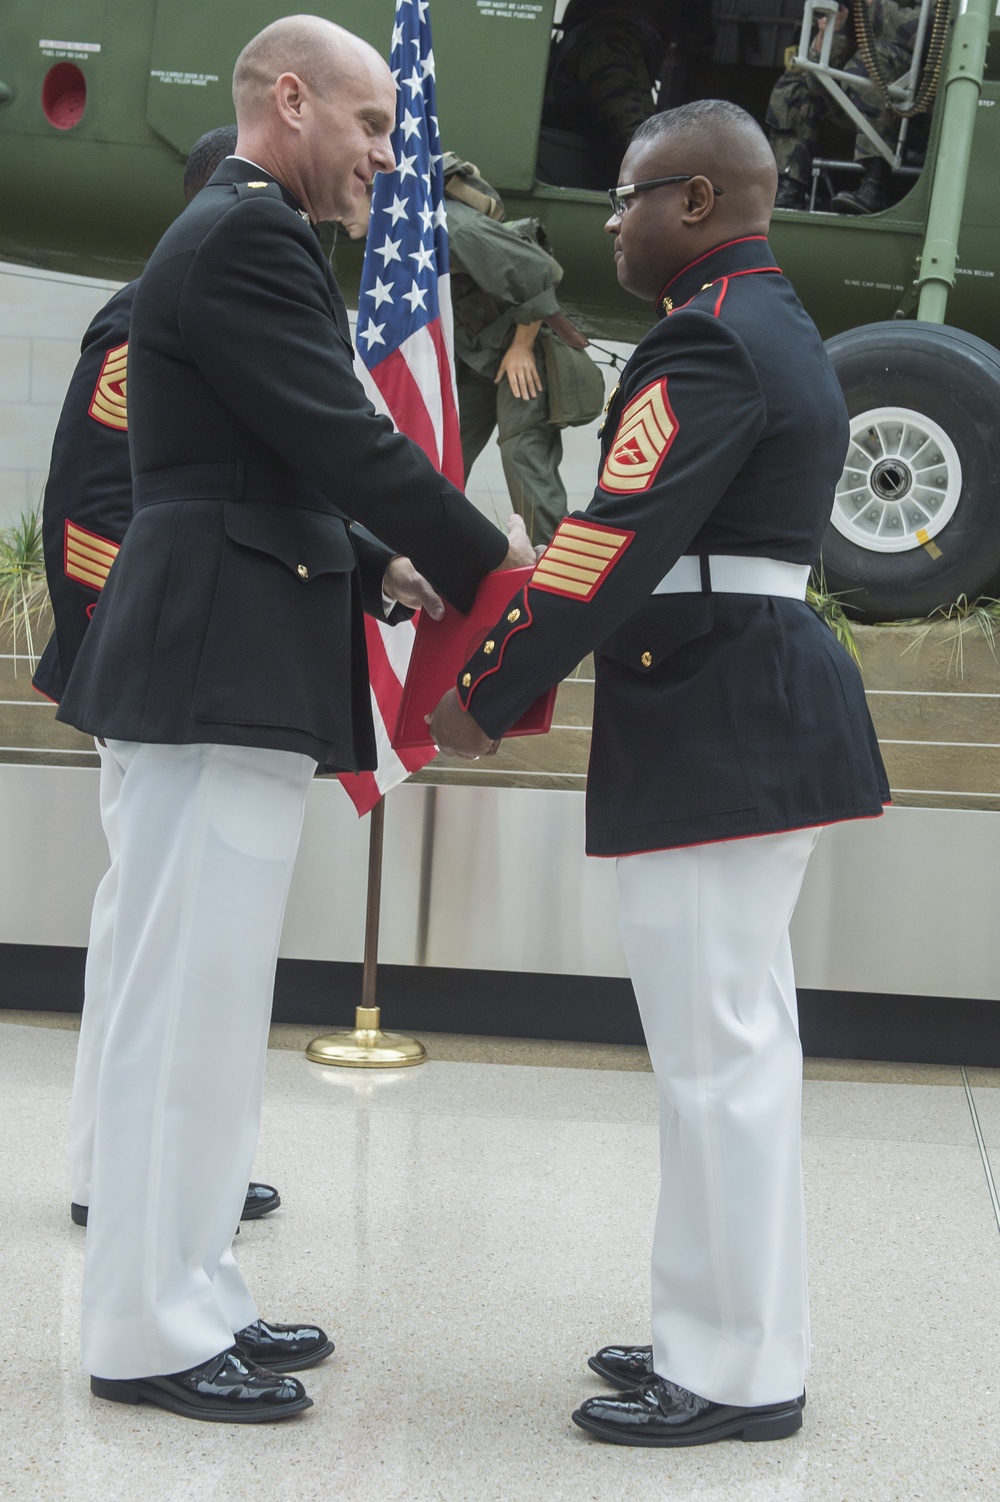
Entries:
{"x":43,"y":316}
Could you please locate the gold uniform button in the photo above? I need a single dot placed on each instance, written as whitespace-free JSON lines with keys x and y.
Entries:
{"x":514,"y":615}
{"x":302,"y":571}
{"x":466,"y":679}
{"x":488,"y":647}
{"x":705,"y":286}
{"x":647,"y":659}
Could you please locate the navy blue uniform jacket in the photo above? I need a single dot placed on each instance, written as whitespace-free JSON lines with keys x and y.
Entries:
{"x":233,"y":612}
{"x":716,"y":715}
{"x":88,"y":492}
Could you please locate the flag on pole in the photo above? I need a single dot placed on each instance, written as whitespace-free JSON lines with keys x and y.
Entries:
{"x":405,"y":343}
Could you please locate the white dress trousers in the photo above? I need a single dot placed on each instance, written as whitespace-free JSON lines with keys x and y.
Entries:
{"x":206,"y":841}
{"x":705,"y":930}
{"x":83,"y":1104}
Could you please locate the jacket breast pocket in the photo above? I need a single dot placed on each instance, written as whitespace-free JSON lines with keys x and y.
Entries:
{"x":277,"y":649}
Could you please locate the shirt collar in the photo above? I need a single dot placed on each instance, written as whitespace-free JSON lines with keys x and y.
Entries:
{"x":734,"y":257}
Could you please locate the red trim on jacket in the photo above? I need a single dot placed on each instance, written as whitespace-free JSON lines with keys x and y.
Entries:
{"x":758,"y":834}
{"x":503,"y":647}
{"x":742,"y":240}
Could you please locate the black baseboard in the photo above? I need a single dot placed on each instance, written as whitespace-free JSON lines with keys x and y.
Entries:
{"x":584,"y":1008}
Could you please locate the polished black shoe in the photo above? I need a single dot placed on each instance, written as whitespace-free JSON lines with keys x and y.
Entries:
{"x":623,"y":1366}
{"x":226,"y":1390}
{"x":261,"y":1200}
{"x":791,"y":194}
{"x":626,"y":1367}
{"x":871,"y":194}
{"x":659,"y":1413}
{"x":283,"y":1348}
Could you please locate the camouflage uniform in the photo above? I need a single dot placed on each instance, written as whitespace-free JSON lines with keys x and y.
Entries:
{"x":499,"y":280}
{"x":799,"y":104}
{"x":602,"y":72}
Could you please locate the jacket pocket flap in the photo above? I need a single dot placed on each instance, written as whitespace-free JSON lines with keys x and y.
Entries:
{"x":308,"y":543}
{"x":659,"y":629}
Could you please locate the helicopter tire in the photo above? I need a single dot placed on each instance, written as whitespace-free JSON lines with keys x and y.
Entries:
{"x":916,"y":522}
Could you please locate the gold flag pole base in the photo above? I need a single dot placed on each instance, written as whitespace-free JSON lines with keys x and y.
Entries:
{"x":366,"y":1046}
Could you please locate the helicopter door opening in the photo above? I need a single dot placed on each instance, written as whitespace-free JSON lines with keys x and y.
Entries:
{"x":738,"y":50}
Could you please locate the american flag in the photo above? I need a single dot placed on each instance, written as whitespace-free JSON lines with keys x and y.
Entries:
{"x":405,"y":343}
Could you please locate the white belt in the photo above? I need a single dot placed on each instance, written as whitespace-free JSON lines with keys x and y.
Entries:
{"x":731,"y":575}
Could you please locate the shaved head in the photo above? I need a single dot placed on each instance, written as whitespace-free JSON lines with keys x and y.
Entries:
{"x":316,"y":51}
{"x":724,"y":142}
{"x":315,"y":106}
{"x":721,"y":182}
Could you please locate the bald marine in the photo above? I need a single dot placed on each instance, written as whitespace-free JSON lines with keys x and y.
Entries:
{"x":314,"y":107}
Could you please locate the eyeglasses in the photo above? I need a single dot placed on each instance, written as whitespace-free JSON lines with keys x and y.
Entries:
{"x":620,"y":196}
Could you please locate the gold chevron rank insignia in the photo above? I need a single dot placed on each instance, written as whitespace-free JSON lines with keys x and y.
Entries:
{"x":579,"y":558}
{"x":107,"y":405}
{"x":87,"y":557}
{"x":647,"y":429}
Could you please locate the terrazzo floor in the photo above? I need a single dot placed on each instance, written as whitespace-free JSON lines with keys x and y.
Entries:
{"x":470,"y":1231}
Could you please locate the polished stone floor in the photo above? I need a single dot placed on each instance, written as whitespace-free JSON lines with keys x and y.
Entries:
{"x":470,"y":1230}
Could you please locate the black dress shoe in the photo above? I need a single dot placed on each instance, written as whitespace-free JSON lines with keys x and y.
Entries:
{"x":261,"y":1200}
{"x":623,"y":1366}
{"x":227,"y":1390}
{"x":626,"y":1367}
{"x":283,"y":1348}
{"x":659,"y":1413}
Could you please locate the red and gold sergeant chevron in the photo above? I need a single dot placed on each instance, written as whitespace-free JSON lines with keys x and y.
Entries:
{"x":647,"y":429}
{"x":107,"y":405}
{"x":87,"y":558}
{"x":579,"y":558}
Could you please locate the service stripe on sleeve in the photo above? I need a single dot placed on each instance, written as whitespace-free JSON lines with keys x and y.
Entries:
{"x":647,"y":429}
{"x":108,"y":403}
{"x":88,"y":557}
{"x":579,"y":558}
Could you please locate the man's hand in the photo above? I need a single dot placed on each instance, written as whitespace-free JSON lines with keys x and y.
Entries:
{"x":402,"y":582}
{"x":456,"y":733}
{"x":518,"y":364}
{"x":520,"y":553}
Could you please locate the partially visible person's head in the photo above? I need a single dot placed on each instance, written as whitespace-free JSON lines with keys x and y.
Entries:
{"x":315,"y":106}
{"x":205,"y":155}
{"x":730,"y":192}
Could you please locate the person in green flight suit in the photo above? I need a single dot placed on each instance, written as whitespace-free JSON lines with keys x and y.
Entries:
{"x":503,"y":287}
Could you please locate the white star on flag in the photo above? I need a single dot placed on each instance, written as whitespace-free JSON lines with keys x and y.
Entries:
{"x":382,"y":292}
{"x":424,"y":257}
{"x":373,"y":333}
{"x":426,"y":216}
{"x":415,"y":297}
{"x":411,"y":125}
{"x":397,"y":36}
{"x":389,"y":251}
{"x":406,"y":167}
{"x":415,"y":83}
{"x":427,"y":64}
{"x":397,"y":208}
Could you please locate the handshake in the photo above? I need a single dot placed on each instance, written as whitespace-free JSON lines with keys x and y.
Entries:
{"x":452,"y":728}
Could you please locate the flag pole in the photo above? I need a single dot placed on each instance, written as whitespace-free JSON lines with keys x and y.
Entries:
{"x":366,"y":1046}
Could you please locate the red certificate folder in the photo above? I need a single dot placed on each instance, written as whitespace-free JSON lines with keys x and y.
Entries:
{"x":441,"y":647}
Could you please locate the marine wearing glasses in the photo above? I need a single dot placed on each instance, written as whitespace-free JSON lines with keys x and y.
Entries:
{"x":620,"y":197}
